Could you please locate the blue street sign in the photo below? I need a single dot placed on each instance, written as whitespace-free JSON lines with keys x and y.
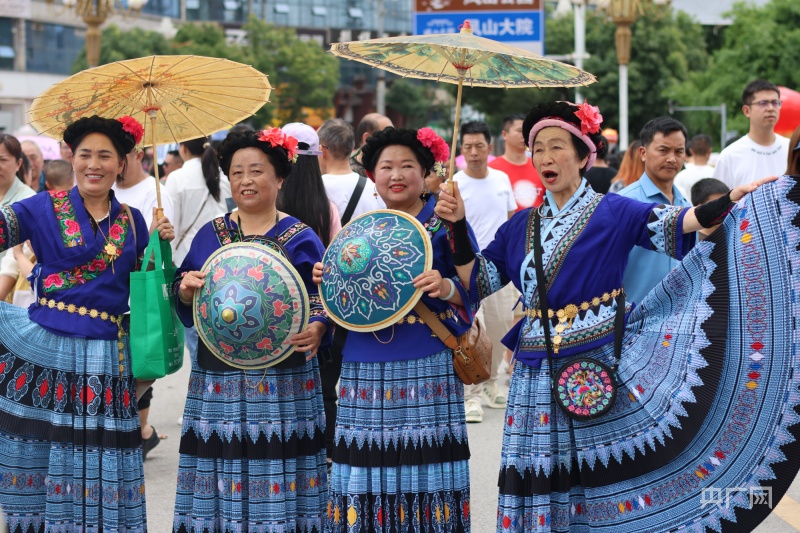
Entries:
{"x":503,"y":26}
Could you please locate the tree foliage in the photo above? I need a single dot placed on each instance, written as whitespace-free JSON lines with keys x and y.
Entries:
{"x":666,"y":48}
{"x":762,"y":42}
{"x":301,"y":73}
{"x":412,"y":100}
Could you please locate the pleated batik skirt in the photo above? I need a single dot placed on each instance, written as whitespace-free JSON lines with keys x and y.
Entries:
{"x":704,"y":433}
{"x":70,"y":441}
{"x":401,"y":456}
{"x":252,"y":452}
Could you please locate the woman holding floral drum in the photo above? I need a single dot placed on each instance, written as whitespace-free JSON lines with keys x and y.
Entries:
{"x":696,"y":347}
{"x":252,"y":446}
{"x":69,"y":430}
{"x":400,"y":458}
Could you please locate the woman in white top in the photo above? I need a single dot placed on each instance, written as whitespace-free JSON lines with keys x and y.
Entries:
{"x":198,"y":191}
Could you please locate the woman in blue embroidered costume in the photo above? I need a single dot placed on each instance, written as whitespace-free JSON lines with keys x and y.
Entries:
{"x":708,"y":377}
{"x":400,"y":458}
{"x":252,"y":446}
{"x":69,"y":431}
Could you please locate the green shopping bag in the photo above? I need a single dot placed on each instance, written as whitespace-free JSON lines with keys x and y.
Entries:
{"x":156,"y":337}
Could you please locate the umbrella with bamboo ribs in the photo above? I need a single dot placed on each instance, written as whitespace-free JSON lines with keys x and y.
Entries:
{"x":176,"y":98}
{"x":462,"y":58}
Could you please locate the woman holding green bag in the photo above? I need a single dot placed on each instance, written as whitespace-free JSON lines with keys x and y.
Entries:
{"x":69,"y":429}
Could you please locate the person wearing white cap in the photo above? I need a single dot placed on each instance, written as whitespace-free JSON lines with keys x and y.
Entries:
{"x":303,"y":197}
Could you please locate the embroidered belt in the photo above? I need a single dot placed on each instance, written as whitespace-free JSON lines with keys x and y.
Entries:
{"x":567,"y":314}
{"x":92,"y":313}
{"x":415,"y":319}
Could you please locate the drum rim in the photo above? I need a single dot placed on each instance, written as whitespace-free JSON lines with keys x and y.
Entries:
{"x":286,"y":264}
{"x":399,"y":314}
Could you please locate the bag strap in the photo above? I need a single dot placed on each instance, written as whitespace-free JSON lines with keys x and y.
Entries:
{"x":619,"y":319}
{"x":351,"y":205}
{"x":132,"y":224}
{"x":196,"y":218}
{"x":432,"y":321}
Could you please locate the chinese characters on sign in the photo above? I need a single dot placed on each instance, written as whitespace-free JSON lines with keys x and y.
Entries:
{"x":520,"y":22}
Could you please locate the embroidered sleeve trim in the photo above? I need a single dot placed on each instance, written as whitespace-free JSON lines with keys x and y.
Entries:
{"x":9,"y":228}
{"x":315,"y":303}
{"x":79,"y":275}
{"x":224,"y":235}
{"x":67,"y":221}
{"x":663,"y":226}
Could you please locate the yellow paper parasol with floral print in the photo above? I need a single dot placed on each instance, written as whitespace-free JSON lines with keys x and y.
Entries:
{"x":462,"y":58}
{"x":176,"y":98}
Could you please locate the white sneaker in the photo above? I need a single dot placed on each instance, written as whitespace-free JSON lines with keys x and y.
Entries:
{"x":473,"y":410}
{"x":491,"y":394}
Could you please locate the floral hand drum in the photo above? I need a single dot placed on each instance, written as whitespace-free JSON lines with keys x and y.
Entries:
{"x":252,"y":302}
{"x":369,"y":268}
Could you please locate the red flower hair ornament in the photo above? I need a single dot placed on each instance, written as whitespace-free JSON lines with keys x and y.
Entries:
{"x":438,"y":147}
{"x":590,"y":117}
{"x":133,"y":127}
{"x":276,"y":137}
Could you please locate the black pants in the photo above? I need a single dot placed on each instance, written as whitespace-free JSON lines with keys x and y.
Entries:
{"x":330,"y":368}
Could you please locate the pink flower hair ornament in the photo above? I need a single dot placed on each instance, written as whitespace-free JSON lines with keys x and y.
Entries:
{"x":133,"y":127}
{"x":276,"y":137}
{"x":438,"y":147}
{"x":590,"y":121}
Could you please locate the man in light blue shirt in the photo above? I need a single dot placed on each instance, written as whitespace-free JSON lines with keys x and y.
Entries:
{"x":663,"y":151}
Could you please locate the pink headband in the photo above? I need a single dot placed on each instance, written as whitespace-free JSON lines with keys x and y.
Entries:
{"x":564,"y":125}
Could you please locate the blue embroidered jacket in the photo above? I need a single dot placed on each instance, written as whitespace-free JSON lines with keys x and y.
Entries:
{"x":586,"y":247}
{"x":73,"y":267}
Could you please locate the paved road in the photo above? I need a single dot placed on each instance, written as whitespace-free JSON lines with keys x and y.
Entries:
{"x":162,"y":466}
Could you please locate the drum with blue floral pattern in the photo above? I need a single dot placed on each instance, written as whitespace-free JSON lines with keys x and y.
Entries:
{"x":251,"y":304}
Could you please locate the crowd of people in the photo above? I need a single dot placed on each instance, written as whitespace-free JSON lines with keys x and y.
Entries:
{"x":556,"y":252}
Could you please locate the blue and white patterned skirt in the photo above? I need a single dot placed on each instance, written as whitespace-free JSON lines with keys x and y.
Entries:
{"x":70,"y":441}
{"x":401,"y":456}
{"x":253,"y":452}
{"x":706,"y":425}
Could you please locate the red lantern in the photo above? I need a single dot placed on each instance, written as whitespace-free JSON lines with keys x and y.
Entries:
{"x":790,"y":112}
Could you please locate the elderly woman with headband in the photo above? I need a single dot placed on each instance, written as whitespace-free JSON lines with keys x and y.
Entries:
{"x":70,"y":439}
{"x":592,"y":439}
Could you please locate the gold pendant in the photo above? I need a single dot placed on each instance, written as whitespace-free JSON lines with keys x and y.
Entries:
{"x":111,"y":250}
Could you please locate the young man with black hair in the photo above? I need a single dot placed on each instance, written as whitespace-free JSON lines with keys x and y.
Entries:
{"x":663,"y":152}
{"x":525,"y":181}
{"x":489,"y":202}
{"x":336,"y":141}
{"x":761,"y":152}
{"x":700,"y":150}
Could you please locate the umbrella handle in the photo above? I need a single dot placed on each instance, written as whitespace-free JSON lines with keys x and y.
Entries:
{"x":455,"y":130}
{"x":159,"y":209}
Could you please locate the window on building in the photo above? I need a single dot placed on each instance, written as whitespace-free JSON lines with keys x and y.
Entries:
{"x":319,"y":11}
{"x":165,"y":8}
{"x":7,"y":52}
{"x":52,"y":47}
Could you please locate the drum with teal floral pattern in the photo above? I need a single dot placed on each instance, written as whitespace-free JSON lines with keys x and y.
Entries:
{"x":251,"y":304}
{"x":369,"y":268}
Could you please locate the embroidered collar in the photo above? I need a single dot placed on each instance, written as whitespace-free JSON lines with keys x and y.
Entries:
{"x":579,"y":197}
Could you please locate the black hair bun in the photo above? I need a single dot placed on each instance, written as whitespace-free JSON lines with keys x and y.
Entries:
{"x":238,"y":140}
{"x":390,"y":136}
{"x":122,"y":140}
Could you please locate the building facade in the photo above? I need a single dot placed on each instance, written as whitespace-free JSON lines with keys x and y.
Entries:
{"x":40,"y":41}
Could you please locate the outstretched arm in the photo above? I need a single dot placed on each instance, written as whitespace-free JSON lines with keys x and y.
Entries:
{"x":710,"y":214}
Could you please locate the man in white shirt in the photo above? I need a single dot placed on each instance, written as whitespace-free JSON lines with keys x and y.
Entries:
{"x":137,"y":188}
{"x":489,"y":202}
{"x":761,"y":152}
{"x":336,"y":141}
{"x":700,"y":147}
